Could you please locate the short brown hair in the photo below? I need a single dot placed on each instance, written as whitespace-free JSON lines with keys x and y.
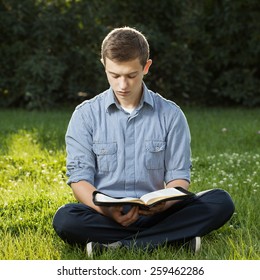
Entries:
{"x":124,"y":44}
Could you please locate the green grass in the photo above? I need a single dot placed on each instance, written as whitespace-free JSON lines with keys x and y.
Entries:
{"x":226,"y":154}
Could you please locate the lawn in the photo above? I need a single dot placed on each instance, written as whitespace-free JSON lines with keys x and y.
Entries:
{"x":226,"y":154}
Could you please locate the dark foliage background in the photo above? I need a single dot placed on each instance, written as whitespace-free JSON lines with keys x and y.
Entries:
{"x":204,"y":52}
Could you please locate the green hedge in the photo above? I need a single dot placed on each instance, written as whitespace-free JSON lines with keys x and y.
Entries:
{"x":204,"y":52}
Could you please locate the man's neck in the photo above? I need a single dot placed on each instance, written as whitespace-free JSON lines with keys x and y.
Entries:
{"x":130,"y":111}
{"x":129,"y":104}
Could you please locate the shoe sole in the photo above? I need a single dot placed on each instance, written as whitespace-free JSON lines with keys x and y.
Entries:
{"x":89,"y":249}
{"x":197,"y":244}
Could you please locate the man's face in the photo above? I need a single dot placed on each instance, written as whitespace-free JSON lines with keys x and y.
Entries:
{"x":126,"y":78}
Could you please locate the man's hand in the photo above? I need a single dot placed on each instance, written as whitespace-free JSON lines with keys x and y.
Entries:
{"x":157,"y":208}
{"x":153,"y":210}
{"x":116,"y":213}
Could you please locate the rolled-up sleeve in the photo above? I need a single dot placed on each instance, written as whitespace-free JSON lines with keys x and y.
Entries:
{"x":80,"y":156}
{"x":178,"y":151}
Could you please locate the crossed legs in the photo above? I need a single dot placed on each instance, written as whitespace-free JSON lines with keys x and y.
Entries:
{"x":207,"y":211}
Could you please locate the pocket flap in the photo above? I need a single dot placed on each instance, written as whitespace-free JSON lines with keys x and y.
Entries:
{"x":105,"y":148}
{"x":155,"y":146}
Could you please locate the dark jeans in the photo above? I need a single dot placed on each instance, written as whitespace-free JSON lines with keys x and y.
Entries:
{"x":207,"y":211}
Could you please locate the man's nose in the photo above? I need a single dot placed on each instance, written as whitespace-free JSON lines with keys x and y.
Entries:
{"x":123,"y":83}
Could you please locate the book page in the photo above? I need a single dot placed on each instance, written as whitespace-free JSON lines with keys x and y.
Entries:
{"x":104,"y":198}
{"x":161,"y":194}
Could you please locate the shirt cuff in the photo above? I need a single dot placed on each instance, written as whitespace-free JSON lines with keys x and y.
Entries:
{"x":80,"y":175}
{"x":176,"y":175}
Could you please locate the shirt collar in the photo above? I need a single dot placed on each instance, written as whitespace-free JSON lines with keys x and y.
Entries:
{"x":110,"y":99}
{"x":146,"y":98}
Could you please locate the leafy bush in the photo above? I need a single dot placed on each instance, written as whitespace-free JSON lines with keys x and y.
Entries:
{"x":204,"y":52}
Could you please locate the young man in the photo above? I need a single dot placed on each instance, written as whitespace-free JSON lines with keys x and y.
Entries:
{"x":128,"y":141}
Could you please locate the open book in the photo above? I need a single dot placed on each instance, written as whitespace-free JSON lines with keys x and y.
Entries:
{"x":146,"y":201}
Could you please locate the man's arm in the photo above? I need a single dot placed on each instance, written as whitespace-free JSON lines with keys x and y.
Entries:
{"x":165,"y":205}
{"x":178,"y":183}
{"x":83,"y":192}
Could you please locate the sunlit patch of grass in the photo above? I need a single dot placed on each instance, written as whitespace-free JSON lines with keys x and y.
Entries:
{"x":33,"y":184}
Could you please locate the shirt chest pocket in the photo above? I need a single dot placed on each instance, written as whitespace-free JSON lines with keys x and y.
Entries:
{"x":154,"y":154}
{"x":106,"y":155}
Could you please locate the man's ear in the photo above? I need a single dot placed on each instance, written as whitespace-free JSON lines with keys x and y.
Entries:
{"x":147,"y":66}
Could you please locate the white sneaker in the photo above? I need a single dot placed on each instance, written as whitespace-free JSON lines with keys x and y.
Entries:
{"x":95,"y":248}
{"x":195,"y":244}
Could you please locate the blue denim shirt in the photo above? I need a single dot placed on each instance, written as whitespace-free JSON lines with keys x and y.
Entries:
{"x":124,"y":154}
